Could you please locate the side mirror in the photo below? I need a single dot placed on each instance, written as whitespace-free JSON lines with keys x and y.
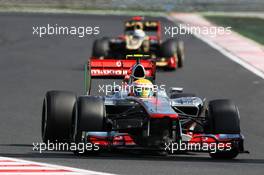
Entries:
{"x":176,"y":89}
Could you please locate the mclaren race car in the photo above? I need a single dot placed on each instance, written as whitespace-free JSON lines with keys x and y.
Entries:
{"x":141,"y":115}
{"x":142,"y":37}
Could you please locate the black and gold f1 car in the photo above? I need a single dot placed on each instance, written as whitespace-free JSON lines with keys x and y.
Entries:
{"x":142,"y":37}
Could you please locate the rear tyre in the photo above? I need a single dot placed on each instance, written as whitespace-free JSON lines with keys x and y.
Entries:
{"x":173,"y":48}
{"x":180,"y":53}
{"x":223,"y":118}
{"x":101,"y":47}
{"x":57,"y":114}
{"x":89,"y":117}
{"x":169,"y":48}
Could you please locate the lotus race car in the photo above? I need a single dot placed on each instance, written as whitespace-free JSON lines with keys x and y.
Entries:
{"x":148,"y":120}
{"x":140,"y":37}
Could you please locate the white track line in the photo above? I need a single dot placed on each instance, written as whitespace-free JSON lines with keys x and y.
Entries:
{"x":223,"y":51}
{"x":12,"y":166}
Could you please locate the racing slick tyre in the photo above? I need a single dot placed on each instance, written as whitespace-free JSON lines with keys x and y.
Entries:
{"x":101,"y":47}
{"x":90,"y":116}
{"x":57,"y":114}
{"x":173,"y":48}
{"x":223,"y":118}
{"x":169,"y":48}
{"x":179,"y":95}
{"x":180,"y":53}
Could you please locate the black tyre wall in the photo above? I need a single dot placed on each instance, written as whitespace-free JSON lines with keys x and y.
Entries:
{"x":101,"y":47}
{"x":168,"y":48}
{"x":180,"y":53}
{"x":91,"y":113}
{"x":57,"y":113}
{"x":223,"y":117}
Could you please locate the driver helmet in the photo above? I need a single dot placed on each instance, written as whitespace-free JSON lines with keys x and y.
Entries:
{"x":138,"y":34}
{"x":143,"y":88}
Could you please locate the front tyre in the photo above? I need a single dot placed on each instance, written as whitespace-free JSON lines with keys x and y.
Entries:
{"x":223,"y":118}
{"x":57,"y":114}
{"x":90,"y":116}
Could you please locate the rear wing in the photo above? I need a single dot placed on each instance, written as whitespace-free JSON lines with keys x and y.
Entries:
{"x":143,"y":25}
{"x":116,"y":69}
{"x":112,"y":68}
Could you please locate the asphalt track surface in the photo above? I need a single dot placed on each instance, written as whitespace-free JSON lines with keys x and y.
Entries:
{"x":29,"y":66}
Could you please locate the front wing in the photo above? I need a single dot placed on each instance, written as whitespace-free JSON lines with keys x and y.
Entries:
{"x":124,"y":140}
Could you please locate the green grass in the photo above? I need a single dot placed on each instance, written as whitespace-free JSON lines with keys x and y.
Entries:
{"x":250,"y":27}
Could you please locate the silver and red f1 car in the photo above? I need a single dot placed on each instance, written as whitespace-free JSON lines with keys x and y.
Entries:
{"x":160,"y":122}
{"x":141,"y":37}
